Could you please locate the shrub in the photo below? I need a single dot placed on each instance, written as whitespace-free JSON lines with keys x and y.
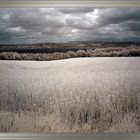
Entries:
{"x":100,"y":52}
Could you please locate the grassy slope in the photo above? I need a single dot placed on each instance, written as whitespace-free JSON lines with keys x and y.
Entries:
{"x":73,"y":95}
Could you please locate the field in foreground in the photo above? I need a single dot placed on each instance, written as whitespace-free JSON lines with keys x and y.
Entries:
{"x":74,"y":95}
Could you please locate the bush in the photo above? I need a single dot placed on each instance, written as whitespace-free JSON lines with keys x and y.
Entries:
{"x":100,"y":52}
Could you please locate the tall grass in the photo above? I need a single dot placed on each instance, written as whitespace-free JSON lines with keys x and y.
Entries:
{"x":76,"y":95}
{"x":83,"y":114}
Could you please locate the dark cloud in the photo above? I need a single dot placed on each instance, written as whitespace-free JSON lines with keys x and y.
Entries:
{"x":67,"y":24}
{"x":118,"y":15}
{"x":133,"y":26}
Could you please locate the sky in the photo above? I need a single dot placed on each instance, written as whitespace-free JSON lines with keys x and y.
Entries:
{"x":26,"y":25}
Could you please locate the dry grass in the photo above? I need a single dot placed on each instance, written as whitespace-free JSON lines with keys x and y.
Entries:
{"x":120,"y":114}
{"x":95,"y":95}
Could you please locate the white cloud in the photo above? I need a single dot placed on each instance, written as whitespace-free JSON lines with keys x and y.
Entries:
{"x":6,"y":16}
{"x":15,"y":30}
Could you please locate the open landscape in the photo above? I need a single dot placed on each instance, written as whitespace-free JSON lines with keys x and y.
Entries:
{"x":70,"y":70}
{"x":71,"y":95}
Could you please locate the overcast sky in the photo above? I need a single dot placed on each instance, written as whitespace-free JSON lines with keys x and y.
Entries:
{"x":69,"y":24}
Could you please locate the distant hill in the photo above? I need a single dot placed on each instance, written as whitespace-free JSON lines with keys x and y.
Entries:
{"x":62,"y":47}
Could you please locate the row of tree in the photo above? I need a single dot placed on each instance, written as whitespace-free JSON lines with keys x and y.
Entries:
{"x":100,"y":52}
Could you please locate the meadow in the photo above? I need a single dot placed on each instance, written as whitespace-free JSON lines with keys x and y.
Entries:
{"x":77,"y":95}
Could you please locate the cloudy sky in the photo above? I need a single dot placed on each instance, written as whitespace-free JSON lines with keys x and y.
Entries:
{"x":69,"y":24}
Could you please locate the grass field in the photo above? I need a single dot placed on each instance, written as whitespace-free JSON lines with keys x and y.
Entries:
{"x":73,"y":95}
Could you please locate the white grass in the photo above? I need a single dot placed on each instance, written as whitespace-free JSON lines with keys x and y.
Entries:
{"x":74,"y":92}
